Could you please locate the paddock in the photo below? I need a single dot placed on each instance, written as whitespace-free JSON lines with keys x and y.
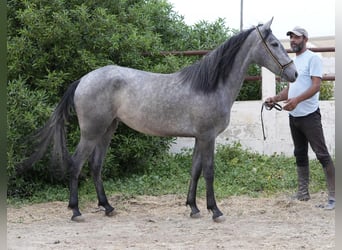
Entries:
{"x":163,"y":222}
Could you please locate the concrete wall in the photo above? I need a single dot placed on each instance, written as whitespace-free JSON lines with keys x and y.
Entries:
{"x":245,"y":125}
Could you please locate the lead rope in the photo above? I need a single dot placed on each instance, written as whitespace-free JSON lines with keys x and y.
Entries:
{"x":268,"y":107}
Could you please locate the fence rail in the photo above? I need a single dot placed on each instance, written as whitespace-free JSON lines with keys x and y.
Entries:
{"x":203,"y":52}
{"x":247,"y":78}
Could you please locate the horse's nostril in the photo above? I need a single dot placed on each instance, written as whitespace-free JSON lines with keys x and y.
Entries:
{"x":296,"y":74}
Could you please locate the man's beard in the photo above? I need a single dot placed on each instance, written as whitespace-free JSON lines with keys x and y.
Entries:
{"x":297,"y":47}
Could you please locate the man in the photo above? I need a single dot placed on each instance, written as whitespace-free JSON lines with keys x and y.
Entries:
{"x":301,"y":99}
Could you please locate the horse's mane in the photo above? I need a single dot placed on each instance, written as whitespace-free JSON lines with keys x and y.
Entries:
{"x":205,"y":74}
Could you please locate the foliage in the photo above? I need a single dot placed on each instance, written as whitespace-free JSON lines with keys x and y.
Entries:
{"x":237,"y":172}
{"x":326,"y":91}
{"x":52,"y":43}
{"x":251,"y":90}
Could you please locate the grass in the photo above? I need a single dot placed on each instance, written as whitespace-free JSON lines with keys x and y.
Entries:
{"x":237,"y":172}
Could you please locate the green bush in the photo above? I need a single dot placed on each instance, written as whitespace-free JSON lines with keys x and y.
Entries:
{"x":52,"y":43}
{"x":251,"y":90}
{"x":327,"y":91}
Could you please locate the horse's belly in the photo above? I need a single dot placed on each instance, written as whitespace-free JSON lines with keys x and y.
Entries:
{"x":173,"y":118}
{"x":158,"y":121}
{"x":157,"y":128}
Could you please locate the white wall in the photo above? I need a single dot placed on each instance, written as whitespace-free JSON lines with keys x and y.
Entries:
{"x":245,"y":125}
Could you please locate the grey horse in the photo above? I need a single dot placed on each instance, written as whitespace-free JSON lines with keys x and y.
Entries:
{"x":194,"y":102}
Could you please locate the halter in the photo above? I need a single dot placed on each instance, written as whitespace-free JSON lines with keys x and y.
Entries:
{"x":281,"y":66}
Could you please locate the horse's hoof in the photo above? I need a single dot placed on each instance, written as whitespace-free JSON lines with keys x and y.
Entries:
{"x":111,"y":213}
{"x":219,"y":219}
{"x":195,"y":215}
{"x":78,"y":218}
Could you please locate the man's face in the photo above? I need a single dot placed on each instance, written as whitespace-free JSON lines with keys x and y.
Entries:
{"x":297,"y":42}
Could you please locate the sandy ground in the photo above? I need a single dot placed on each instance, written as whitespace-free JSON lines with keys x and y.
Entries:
{"x":163,"y":222}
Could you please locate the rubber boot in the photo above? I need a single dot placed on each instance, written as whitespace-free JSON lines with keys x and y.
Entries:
{"x":303,"y":184}
{"x":329,"y":172}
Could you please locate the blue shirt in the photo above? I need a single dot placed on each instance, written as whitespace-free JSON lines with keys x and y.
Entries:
{"x":308,"y":64}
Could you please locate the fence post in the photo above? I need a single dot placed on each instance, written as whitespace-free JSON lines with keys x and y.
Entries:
{"x":268,"y":89}
{"x":268,"y":83}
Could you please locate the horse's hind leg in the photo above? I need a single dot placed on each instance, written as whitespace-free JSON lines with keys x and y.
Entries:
{"x":83,"y":150}
{"x":96,"y":161}
{"x":195,"y":174}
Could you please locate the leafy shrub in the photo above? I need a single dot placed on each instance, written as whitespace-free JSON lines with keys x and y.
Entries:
{"x":327,"y":90}
{"x":251,"y":90}
{"x":52,"y":43}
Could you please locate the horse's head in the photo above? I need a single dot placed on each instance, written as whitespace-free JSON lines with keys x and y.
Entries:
{"x":270,"y":53}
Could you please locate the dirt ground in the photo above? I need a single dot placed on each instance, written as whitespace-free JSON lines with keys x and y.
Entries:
{"x":163,"y":222}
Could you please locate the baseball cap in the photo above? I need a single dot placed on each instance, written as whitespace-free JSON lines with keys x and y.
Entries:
{"x":298,"y":31}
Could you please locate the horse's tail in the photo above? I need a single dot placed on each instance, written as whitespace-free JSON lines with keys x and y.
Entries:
{"x":53,"y":132}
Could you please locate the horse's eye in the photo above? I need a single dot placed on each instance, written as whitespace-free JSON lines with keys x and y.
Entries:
{"x":274,"y":44}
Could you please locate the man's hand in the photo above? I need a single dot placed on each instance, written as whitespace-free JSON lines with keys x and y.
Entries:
{"x":290,"y":104}
{"x":269,"y":102}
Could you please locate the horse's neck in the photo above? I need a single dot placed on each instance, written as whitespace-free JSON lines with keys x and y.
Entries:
{"x":238,"y":72}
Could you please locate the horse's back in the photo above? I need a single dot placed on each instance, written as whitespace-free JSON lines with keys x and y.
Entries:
{"x":115,"y":92}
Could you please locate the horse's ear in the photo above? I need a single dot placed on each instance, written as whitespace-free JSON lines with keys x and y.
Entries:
{"x":267,"y":25}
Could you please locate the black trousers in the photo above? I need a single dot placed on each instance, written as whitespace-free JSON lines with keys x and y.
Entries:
{"x":305,"y":130}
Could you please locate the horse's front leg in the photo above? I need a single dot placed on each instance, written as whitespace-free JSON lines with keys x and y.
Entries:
{"x":207,"y":152}
{"x":208,"y":173}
